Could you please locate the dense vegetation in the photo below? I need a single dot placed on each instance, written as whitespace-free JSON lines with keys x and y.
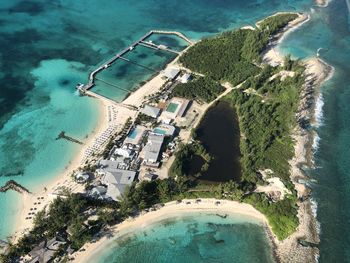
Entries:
{"x":274,"y":23}
{"x":266,"y":105}
{"x":201,"y":89}
{"x":64,"y":215}
{"x":233,"y":56}
{"x":282,"y":215}
{"x":220,"y":58}
{"x":184,"y":157}
{"x":266,"y":117}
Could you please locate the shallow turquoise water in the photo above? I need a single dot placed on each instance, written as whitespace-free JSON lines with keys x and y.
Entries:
{"x":46,"y":47}
{"x":191,"y":238}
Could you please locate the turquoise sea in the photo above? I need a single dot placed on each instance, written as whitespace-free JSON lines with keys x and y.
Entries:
{"x":190,"y":238}
{"x":46,"y":47}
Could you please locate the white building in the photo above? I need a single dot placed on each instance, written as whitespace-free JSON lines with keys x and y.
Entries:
{"x":124,"y":152}
{"x":171,"y":73}
{"x":150,"y":111}
{"x":185,"y":78}
{"x":153,"y":147}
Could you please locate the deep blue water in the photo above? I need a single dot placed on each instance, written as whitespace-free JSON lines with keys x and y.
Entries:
{"x":46,"y":47}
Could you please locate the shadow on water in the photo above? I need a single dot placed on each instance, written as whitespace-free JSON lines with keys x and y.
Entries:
{"x":219,"y":134}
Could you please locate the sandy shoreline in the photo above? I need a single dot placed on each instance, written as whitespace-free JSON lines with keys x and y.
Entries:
{"x":288,"y":250}
{"x":171,"y":210}
{"x":43,"y":194}
{"x":63,"y":179}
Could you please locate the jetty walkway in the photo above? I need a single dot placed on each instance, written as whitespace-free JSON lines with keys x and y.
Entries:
{"x":101,"y":97}
{"x":92,"y":76}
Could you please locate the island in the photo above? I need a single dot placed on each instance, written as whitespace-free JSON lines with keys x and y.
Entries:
{"x":224,"y":127}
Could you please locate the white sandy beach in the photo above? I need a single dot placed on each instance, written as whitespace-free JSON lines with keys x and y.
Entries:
{"x":43,"y":195}
{"x":64,"y":179}
{"x":284,"y":248}
{"x":208,"y":205}
{"x":171,"y":209}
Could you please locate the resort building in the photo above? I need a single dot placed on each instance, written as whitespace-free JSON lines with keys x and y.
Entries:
{"x":135,"y":136}
{"x":152,"y":149}
{"x":115,"y":179}
{"x":165,"y":129}
{"x":124,"y":152}
{"x":45,"y":251}
{"x":171,"y":73}
{"x":185,"y":78}
{"x":150,"y":111}
{"x":175,"y":108}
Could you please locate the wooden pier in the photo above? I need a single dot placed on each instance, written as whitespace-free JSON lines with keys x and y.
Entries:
{"x":63,"y":135}
{"x":92,"y":76}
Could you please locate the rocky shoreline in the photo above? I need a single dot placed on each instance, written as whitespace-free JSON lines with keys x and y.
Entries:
{"x":301,"y":246}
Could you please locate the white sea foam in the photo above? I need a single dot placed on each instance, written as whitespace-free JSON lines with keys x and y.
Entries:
{"x":316,"y":142}
{"x":319,"y":111}
{"x":314,"y":207}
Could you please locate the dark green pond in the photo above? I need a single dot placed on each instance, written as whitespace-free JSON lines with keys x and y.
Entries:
{"x":219,"y":134}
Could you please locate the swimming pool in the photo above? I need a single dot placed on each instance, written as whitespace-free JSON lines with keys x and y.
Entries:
{"x":133,"y":134}
{"x":172,"y":107}
{"x":159,"y":131}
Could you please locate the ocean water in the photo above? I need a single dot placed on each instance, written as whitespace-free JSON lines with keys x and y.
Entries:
{"x":190,"y":238}
{"x":46,"y":47}
{"x":329,"y":29}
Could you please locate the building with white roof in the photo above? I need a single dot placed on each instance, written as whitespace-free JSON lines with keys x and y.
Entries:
{"x":98,"y":192}
{"x":153,"y":147}
{"x":124,"y":152}
{"x":185,"y":78}
{"x":150,"y":111}
{"x":171,"y":73}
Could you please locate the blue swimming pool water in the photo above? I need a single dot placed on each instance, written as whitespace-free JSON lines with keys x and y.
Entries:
{"x":159,"y":131}
{"x":133,"y":134}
